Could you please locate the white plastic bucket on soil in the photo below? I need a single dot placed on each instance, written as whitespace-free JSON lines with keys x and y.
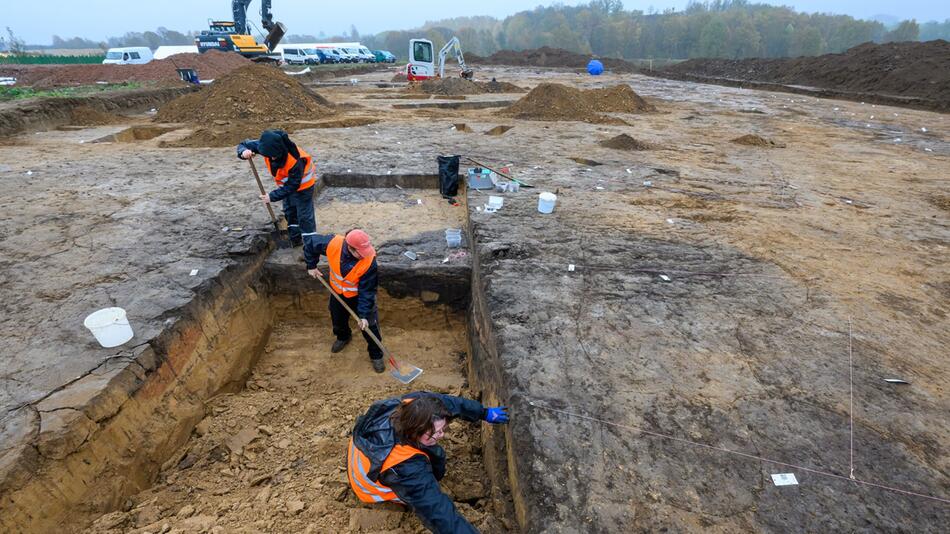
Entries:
{"x":110,"y":326}
{"x":546,"y":202}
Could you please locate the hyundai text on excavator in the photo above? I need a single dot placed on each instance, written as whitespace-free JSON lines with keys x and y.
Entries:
{"x":421,"y":65}
{"x":235,"y":36}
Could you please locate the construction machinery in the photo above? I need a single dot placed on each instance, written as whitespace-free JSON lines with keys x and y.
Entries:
{"x":235,"y":36}
{"x":422,"y":66}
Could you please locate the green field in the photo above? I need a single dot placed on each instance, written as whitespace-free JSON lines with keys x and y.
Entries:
{"x":17,"y":93}
{"x":32,"y":59}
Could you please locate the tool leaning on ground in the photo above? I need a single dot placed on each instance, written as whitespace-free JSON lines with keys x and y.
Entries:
{"x":402,"y":371}
{"x":283,"y":241}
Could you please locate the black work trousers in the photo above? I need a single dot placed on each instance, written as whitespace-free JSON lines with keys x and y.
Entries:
{"x":341,"y":325}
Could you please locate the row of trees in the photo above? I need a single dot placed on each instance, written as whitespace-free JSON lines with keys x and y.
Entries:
{"x":721,"y":28}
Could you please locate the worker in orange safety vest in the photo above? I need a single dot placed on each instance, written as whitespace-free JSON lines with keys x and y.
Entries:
{"x":394,"y":455}
{"x":294,"y":172}
{"x":353,"y":276}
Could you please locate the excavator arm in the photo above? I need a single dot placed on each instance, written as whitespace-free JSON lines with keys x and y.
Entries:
{"x":454,"y":45}
{"x":275,"y":30}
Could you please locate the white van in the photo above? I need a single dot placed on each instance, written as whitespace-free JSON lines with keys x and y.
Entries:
{"x":130,"y":55}
{"x":300,"y":56}
{"x":351,"y":54}
{"x":368,"y":55}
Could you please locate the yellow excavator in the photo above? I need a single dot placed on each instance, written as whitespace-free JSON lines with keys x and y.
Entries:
{"x":234,"y":36}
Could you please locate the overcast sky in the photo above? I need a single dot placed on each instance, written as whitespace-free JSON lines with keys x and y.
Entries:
{"x":36,"y":21}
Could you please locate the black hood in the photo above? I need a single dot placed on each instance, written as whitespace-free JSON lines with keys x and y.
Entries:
{"x":276,"y":144}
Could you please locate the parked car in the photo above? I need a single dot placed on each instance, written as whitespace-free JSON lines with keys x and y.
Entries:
{"x":301,"y":56}
{"x":129,"y":55}
{"x":352,"y":55}
{"x":384,"y":56}
{"x":366,"y":54}
{"x":332,"y":55}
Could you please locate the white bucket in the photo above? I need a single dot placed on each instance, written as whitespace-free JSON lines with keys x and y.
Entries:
{"x":110,"y":326}
{"x":546,"y":202}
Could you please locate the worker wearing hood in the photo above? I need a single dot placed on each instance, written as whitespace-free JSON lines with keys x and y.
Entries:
{"x":293,"y":171}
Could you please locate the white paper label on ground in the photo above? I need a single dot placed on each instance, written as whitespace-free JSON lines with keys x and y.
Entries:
{"x":570,"y":267}
{"x":194,"y":272}
{"x":664,"y":278}
{"x":785,"y":479}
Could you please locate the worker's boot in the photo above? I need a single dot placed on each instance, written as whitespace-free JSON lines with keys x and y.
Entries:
{"x":296,"y":242}
{"x":338,"y":345}
{"x":378,"y":365}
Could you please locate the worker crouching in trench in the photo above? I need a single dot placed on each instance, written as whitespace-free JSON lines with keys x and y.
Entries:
{"x":394,"y":456}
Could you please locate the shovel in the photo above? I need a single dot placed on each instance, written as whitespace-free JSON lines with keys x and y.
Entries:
{"x":402,"y":371}
{"x":278,"y":235}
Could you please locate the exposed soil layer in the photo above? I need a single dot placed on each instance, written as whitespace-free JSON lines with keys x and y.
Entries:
{"x":624,"y":142}
{"x":556,"y":102}
{"x":549,"y":57}
{"x":907,"y":69}
{"x":756,"y":140}
{"x":48,"y":113}
{"x":209,"y":65}
{"x":270,"y":458}
{"x":89,"y":116}
{"x":253,"y":93}
{"x":230,"y":134}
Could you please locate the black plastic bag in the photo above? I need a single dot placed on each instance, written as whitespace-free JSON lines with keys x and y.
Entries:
{"x":448,"y":175}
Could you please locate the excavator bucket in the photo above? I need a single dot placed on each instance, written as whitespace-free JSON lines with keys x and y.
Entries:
{"x":275,"y":35}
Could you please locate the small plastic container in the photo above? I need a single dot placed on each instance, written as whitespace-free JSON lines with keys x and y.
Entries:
{"x":546,"y":202}
{"x":110,"y":326}
{"x":513,"y":187}
{"x":453,"y":237}
{"x":501,"y":187}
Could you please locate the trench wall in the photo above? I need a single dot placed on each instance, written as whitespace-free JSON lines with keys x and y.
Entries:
{"x":104,"y":436}
{"x":48,"y":113}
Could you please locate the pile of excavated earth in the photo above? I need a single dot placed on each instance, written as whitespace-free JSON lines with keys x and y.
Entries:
{"x":756,"y":140}
{"x":624,"y":142}
{"x":907,"y":69}
{"x":459,"y":86}
{"x":556,"y":102}
{"x":241,"y":104}
{"x":210,"y":65}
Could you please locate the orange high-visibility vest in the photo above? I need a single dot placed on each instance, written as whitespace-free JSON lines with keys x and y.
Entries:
{"x":309,"y":175}
{"x":358,"y":464}
{"x":347,"y":286}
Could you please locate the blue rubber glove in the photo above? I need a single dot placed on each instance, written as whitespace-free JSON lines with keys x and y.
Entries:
{"x":496,"y":416}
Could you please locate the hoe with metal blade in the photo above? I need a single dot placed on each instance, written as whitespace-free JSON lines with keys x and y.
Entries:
{"x":403,"y":371}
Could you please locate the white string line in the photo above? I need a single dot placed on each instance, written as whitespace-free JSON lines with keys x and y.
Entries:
{"x":737,"y":453}
{"x":851,"y":405}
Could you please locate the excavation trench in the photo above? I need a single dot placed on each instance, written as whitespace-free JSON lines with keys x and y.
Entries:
{"x":239,"y":416}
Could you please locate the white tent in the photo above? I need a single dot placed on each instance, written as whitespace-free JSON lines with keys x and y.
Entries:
{"x":163,"y":52}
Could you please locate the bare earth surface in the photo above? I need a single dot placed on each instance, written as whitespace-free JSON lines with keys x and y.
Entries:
{"x":717,"y":294}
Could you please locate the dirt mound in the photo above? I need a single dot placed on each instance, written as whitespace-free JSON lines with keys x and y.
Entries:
{"x":251,"y":94}
{"x":624,"y":142}
{"x":755,"y":140}
{"x":89,"y":116}
{"x":494,"y":86}
{"x":901,"y":69}
{"x":556,"y":102}
{"x":548,"y":57}
{"x":447,"y":86}
{"x":399,"y":77}
{"x":619,"y":98}
{"x":210,"y":65}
